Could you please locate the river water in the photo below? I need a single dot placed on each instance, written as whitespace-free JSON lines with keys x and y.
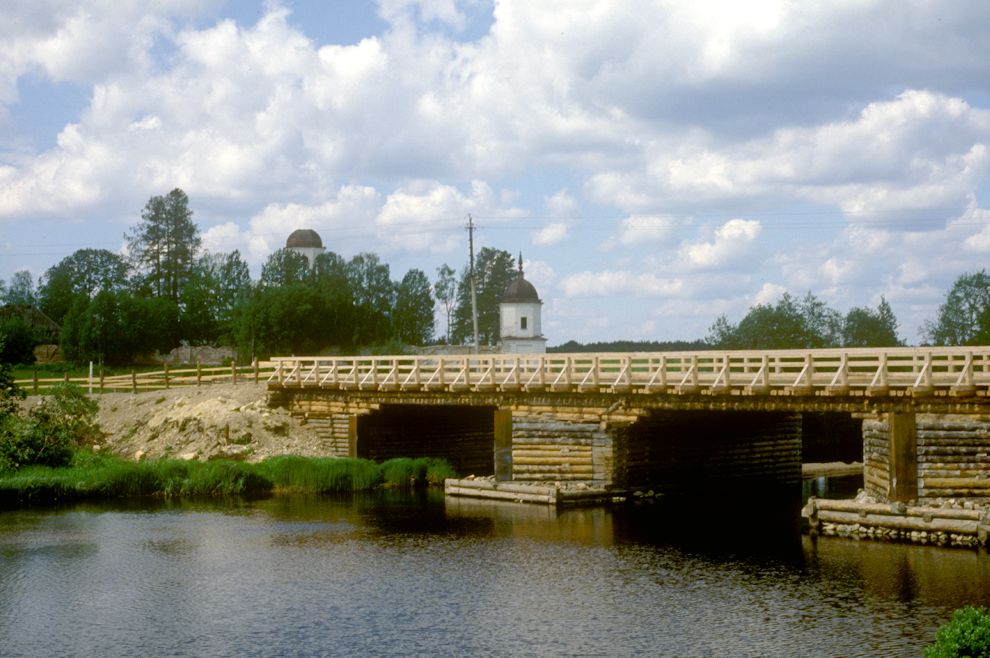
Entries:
{"x":417,"y":575}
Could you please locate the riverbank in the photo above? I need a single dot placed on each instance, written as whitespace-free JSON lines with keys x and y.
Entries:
{"x":94,"y":476}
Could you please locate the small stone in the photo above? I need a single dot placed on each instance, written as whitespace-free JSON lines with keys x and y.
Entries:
{"x":139,"y":455}
{"x":187,"y":456}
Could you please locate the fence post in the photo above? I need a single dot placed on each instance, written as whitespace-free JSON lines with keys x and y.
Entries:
{"x":65,"y":377}
{"x":199,"y":373}
{"x":35,"y":382}
{"x":166,"y":373}
{"x":256,"y":369}
{"x":133,"y":381}
{"x":233,"y":371}
{"x":101,"y":380}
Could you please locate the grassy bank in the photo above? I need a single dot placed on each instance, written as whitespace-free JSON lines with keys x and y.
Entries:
{"x":92,"y":476}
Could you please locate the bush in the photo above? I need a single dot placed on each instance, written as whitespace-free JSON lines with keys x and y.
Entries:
{"x":24,"y":442}
{"x":66,"y":409}
{"x":62,"y":420}
{"x":968,"y":634}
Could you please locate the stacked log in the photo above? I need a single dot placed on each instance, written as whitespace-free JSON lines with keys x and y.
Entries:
{"x":876,"y":458}
{"x":545,"y":449}
{"x":953,"y":456}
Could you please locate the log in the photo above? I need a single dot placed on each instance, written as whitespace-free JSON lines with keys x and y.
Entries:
{"x":879,"y":508}
{"x":897,"y":522}
{"x":956,"y":483}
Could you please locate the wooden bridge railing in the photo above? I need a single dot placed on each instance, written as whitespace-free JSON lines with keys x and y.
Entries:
{"x":960,"y":371}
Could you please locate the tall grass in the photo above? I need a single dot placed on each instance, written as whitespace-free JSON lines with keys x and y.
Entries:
{"x":90,"y":476}
{"x":321,"y":474}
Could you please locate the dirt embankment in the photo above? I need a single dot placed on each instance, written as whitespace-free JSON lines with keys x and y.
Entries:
{"x":219,"y":420}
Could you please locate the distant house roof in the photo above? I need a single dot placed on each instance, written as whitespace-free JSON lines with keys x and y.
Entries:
{"x":33,"y":316}
{"x":304,"y":238}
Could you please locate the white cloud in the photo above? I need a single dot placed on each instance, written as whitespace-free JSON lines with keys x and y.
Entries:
{"x":619,"y":283}
{"x":730,"y":243}
{"x":769,"y":293}
{"x":550,"y":234}
{"x":645,"y":229}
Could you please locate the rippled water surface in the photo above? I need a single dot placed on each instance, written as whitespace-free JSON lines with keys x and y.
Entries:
{"x":416,"y":575}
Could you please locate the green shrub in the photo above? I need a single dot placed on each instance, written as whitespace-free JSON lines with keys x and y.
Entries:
{"x":967,"y":634}
{"x":24,"y":442}
{"x":67,"y":409}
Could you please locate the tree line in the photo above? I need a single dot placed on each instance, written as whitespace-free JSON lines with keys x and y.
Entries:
{"x":167,"y":291}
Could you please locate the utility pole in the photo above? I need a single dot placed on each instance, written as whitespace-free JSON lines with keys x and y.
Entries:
{"x":474,"y":294}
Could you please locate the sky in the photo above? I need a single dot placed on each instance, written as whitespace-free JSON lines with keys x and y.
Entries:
{"x":658,"y":164}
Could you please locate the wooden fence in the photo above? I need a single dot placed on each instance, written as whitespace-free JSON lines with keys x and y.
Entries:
{"x":151,"y":381}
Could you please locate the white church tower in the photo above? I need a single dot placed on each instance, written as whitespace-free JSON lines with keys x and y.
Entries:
{"x":519,"y":318}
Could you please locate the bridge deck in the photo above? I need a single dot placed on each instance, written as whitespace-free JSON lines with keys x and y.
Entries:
{"x":916,"y":372}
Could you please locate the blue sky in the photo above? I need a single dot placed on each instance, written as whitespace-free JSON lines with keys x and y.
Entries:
{"x":657,"y":163}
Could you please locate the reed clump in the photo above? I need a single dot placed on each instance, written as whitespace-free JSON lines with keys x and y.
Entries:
{"x":89,"y":475}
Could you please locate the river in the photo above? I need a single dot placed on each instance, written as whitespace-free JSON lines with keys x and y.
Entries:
{"x":394,"y":574}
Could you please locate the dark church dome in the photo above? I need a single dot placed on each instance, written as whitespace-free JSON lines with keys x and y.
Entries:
{"x":520,"y":290}
{"x":304,"y":238}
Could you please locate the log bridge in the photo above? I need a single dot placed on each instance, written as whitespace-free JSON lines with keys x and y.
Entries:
{"x":674,"y":422}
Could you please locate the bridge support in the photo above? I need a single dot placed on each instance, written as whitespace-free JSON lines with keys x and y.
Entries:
{"x":531,"y":447}
{"x":927,"y":457}
{"x":711,"y":453}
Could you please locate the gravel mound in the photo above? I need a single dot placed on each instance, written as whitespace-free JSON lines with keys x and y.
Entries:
{"x":215,"y":421}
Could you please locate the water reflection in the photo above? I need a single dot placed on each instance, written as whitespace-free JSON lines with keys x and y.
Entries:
{"x":396,"y":574}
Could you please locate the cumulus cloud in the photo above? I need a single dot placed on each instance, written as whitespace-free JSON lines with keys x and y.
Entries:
{"x":920,"y":150}
{"x":619,"y":283}
{"x":729,"y":244}
{"x":550,"y":234}
{"x":644,"y":229}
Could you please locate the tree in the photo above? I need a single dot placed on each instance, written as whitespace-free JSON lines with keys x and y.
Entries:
{"x":281,"y":320}
{"x":219,"y":283}
{"x":163,"y":246}
{"x":789,"y":324}
{"x":329,"y":275}
{"x":964,"y":318}
{"x":864,"y":327}
{"x":117,"y":327}
{"x":83,"y":274}
{"x":374,"y":298}
{"x":21,"y":289}
{"x":445,"y":289}
{"x":284,"y":267}
{"x":17,"y":340}
{"x":494,"y":270}
{"x":413,"y":318}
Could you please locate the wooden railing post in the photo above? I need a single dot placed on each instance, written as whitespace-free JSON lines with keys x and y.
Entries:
{"x":199,"y":373}
{"x":257,"y":371}
{"x":35,"y":386}
{"x":101,"y":380}
{"x":166,"y":373}
{"x":233,"y":371}
{"x":133,"y":381}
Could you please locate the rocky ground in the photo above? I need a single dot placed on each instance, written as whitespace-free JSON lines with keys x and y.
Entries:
{"x":218,"y":420}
